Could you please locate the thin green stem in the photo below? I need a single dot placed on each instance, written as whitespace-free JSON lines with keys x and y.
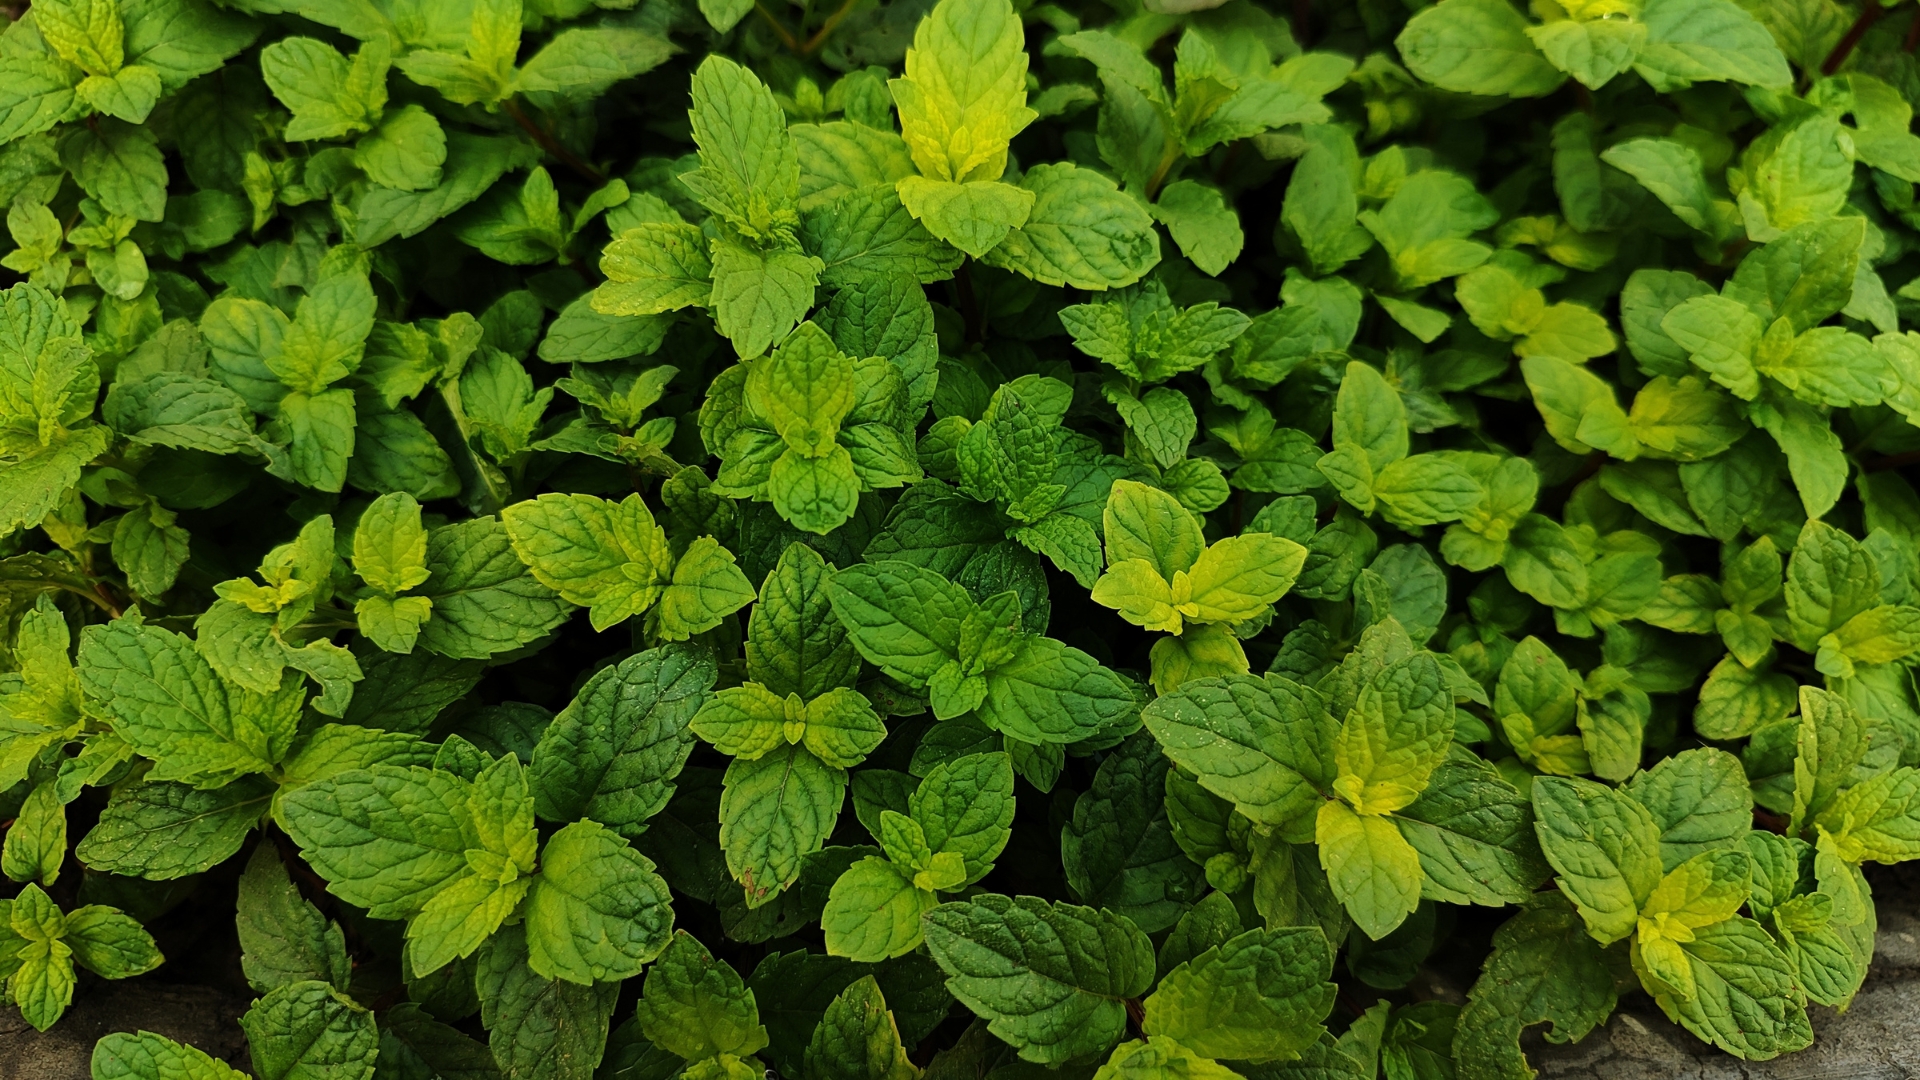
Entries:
{"x":819,"y":37}
{"x":779,"y":28}
{"x":1160,"y":172}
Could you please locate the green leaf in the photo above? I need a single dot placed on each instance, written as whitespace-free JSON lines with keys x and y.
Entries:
{"x":723,"y":15}
{"x":697,"y":1006}
{"x":1119,"y":850}
{"x":1700,"y":800}
{"x":1544,"y":969}
{"x":1605,"y":847}
{"x":901,"y":618}
{"x":909,"y":622}
{"x":1738,"y":971}
{"x":1815,"y":458}
{"x":390,"y":546}
{"x":1322,"y":199}
{"x":405,"y":152}
{"x":36,"y":843}
{"x":583,"y":62}
{"x":125,"y":1056}
{"x":1832,"y":742}
{"x":120,"y":166}
{"x":1537,"y":702}
{"x":1369,"y":423}
{"x":540,"y":1030}
{"x":1201,"y":223}
{"x":50,"y":379}
{"x":1878,"y":819}
{"x":161,"y":831}
{"x":965,"y":807}
{"x":1831,"y":579}
{"x":857,"y":1038}
{"x":181,"y":411}
{"x":523,"y":229}
{"x":319,"y":431}
{"x":874,"y":912}
{"x":1370,"y":866}
{"x":597,"y":912}
{"x":1673,"y":172}
{"x":473,"y":163}
{"x":1051,"y":693}
{"x":749,"y":169}
{"x":612,"y":753}
{"x":1474,"y":833}
{"x":39,"y":960}
{"x":976,"y":218}
{"x":868,"y":232}
{"x":1147,"y":524}
{"x":1425,"y":224}
{"x":1259,"y":996}
{"x":109,"y":942}
{"x":36,"y":479}
{"x":759,"y":296}
{"x":653,"y":268}
{"x":706,"y":587}
{"x":310,"y":1030}
{"x":794,"y":643}
{"x":283,"y":938}
{"x":166,"y":701}
{"x":1476,"y":47}
{"x":1049,"y":978}
{"x":491,"y":39}
{"x":1082,"y":232}
{"x":485,"y":600}
{"x":608,"y":556}
{"x":329,"y":95}
{"x":385,"y":838}
{"x":964,"y":94}
{"x":777,"y":809}
{"x":1160,"y":1056}
{"x":89,"y":35}
{"x":1700,"y":40}
{"x":1592,"y":51}
{"x":1266,"y":745}
{"x":1396,"y":735}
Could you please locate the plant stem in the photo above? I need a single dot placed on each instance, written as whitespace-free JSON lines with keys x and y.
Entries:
{"x":1160,"y":174}
{"x":552,"y":145}
{"x":970,"y":309}
{"x":1868,"y":16}
{"x":819,"y":37}
{"x":1895,"y":461}
{"x":786,"y":35}
{"x":103,"y":599}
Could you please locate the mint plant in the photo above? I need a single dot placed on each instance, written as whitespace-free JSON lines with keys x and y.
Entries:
{"x":1120,"y":541}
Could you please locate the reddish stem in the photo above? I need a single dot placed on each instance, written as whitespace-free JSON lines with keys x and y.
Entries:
{"x":552,"y":145}
{"x":1895,"y":461}
{"x":1868,"y":16}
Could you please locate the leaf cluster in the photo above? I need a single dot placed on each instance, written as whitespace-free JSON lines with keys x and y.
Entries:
{"x":663,"y":540}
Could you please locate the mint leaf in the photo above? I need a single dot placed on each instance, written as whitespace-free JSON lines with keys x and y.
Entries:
{"x":1050,"y":978}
